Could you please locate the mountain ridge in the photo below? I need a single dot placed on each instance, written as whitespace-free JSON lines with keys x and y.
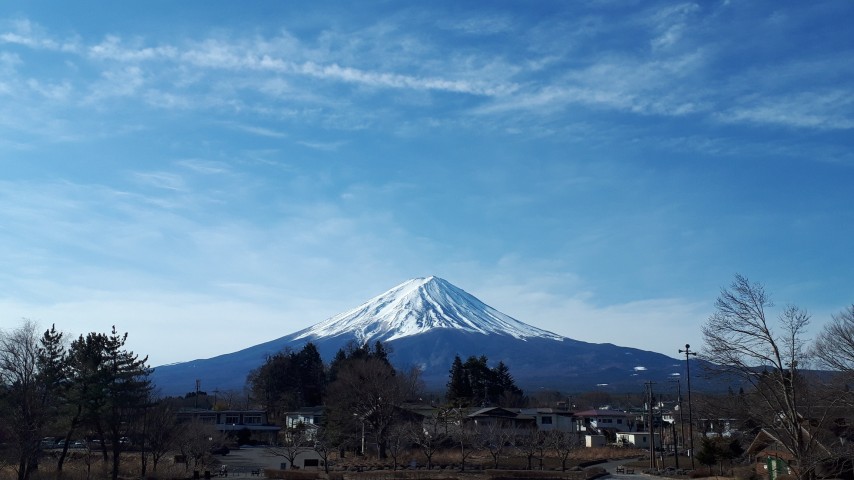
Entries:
{"x":426,"y":322}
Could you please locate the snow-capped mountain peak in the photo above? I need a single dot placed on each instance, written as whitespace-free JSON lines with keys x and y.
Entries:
{"x":417,"y":306}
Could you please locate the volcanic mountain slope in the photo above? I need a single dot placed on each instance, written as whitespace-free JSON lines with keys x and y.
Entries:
{"x":425,"y":322}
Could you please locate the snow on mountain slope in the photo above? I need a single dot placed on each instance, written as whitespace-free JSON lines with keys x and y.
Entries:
{"x":417,"y":306}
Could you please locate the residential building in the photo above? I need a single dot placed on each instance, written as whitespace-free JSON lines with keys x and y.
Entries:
{"x":232,"y":421}
{"x":605,"y":421}
{"x":638,"y":439}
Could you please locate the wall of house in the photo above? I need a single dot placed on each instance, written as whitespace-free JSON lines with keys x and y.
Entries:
{"x":638,"y":439}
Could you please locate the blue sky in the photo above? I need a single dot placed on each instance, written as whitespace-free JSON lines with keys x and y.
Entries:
{"x":210,"y":175}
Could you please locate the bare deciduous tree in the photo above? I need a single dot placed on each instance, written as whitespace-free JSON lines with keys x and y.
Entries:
{"x":465,"y":435}
{"x":372,"y":391}
{"x":20,"y":393}
{"x":495,"y":437}
{"x":742,"y":343}
{"x":428,"y":436}
{"x":562,"y":444}
{"x":323,"y":446}
{"x":32,"y":375}
{"x":161,"y":432}
{"x":531,"y":443}
{"x":834,"y":346}
{"x":195,"y":442}
{"x":293,"y":440}
{"x":397,"y":442}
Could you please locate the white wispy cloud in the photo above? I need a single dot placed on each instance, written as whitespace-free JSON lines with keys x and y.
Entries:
{"x":257,"y":130}
{"x":827,"y":110}
{"x":478,"y":25}
{"x":111,"y":48}
{"x":26,"y":33}
{"x":670,"y":23}
{"x":206,"y":167}
{"x":164,"y":180}
{"x":122,"y":82}
{"x":336,"y":78}
{"x":323,"y":146}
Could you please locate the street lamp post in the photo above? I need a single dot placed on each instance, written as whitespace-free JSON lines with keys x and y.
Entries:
{"x":362,"y":419}
{"x":363,"y":436}
{"x":687,"y":353}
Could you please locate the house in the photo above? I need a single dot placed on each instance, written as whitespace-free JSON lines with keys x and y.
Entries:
{"x":605,"y":422}
{"x":308,"y":419}
{"x":305,"y":416}
{"x":548,"y":419}
{"x":503,"y":417}
{"x":638,"y":439}
{"x":771,"y":458}
{"x":543,"y":419}
{"x":230,"y":422}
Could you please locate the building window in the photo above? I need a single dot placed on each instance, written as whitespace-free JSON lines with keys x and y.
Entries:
{"x":232,"y":419}
{"x":252,"y":420}
{"x":620,"y":421}
{"x":546,"y":421}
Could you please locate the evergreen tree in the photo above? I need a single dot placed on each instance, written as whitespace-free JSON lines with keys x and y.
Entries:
{"x":312,"y":375}
{"x":289,"y":380}
{"x":127,"y":387}
{"x":709,"y":453}
{"x":474,"y":383}
{"x":84,"y":398}
{"x":459,"y":388}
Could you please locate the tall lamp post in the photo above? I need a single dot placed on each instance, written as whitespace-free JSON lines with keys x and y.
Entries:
{"x":362,"y":419}
{"x":688,"y":353}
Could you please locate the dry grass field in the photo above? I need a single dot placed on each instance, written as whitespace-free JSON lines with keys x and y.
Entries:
{"x":446,"y":464}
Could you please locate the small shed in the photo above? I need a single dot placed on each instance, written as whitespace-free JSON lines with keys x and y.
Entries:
{"x":593,"y":441}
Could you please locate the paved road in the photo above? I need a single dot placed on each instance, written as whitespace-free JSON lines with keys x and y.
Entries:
{"x":611,"y":467}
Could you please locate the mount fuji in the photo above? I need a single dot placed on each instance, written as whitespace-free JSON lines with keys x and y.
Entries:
{"x":425,"y":322}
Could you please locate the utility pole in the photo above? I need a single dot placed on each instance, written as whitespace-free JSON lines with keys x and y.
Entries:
{"x":681,"y":421}
{"x":650,"y":428}
{"x":688,"y":353}
{"x":198,"y":388}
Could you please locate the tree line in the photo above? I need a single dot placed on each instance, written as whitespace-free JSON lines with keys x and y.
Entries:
{"x":93,"y":388}
{"x":93,"y":383}
{"x":362,"y":390}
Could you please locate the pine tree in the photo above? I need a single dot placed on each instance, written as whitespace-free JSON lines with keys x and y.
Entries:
{"x":126,"y":390}
{"x":312,"y":375}
{"x":459,"y":389}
